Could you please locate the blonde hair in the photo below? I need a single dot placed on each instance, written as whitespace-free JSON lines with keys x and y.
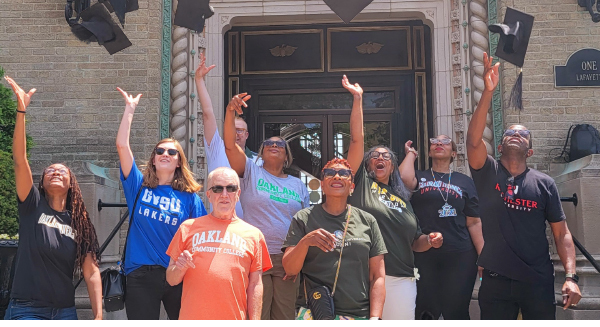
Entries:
{"x":288,"y":152}
{"x":183,"y":180}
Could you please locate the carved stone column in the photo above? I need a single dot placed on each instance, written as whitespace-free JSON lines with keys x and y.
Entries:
{"x":179,"y":84}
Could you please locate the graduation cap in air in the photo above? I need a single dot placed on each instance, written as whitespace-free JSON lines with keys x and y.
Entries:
{"x":192,"y":14}
{"x":98,"y":26}
{"x":347,"y":9}
{"x":514,"y":32}
{"x":120,"y":7}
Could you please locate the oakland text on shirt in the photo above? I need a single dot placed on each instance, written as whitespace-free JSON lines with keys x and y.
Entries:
{"x":427,"y":186}
{"x":51,"y":221}
{"x":389,"y":200}
{"x":276,"y":193}
{"x":161,"y":208}
{"x":518,"y":204}
{"x":214,"y":236}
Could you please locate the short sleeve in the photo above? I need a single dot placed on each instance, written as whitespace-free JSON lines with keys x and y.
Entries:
{"x":249,"y":171}
{"x":418,"y":232}
{"x":377,"y":242}
{"x":296,"y":231}
{"x":215,"y":153}
{"x":30,"y":203}
{"x":131,"y":184}
{"x":261,"y":259}
{"x":177,"y":243}
{"x":198,"y":209}
{"x":305,"y":197}
{"x":483,"y":171}
{"x":471,"y":199}
{"x":554,"y":212}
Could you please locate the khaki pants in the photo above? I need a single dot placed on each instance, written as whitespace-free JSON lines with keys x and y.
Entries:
{"x":279,"y":296}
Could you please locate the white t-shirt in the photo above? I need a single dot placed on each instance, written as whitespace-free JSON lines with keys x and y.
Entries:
{"x":216,"y":157}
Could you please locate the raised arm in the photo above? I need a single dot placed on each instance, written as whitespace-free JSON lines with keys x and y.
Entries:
{"x":123,"y":148}
{"x":407,"y":167}
{"x":208,"y":114}
{"x":476,"y":150}
{"x":357,"y":134}
{"x":23,"y":177}
{"x":235,"y":154}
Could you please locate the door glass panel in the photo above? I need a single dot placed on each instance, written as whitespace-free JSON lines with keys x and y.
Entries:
{"x":376,"y":133}
{"x":371,"y":100}
{"x":305,"y":140}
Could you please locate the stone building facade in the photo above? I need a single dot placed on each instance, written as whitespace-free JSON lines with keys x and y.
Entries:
{"x":76,"y":112}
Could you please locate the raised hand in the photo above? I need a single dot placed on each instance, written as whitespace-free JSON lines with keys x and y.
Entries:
{"x":185,"y":261}
{"x":490,"y":73}
{"x":237,"y":102}
{"x":130,"y":101}
{"x":355,"y":89}
{"x":320,"y":238}
{"x":408,"y":148}
{"x":23,"y":98}
{"x":435,"y":239}
{"x":202,"y":70}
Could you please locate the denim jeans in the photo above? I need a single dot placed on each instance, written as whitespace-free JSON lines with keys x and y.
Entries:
{"x":24,"y":310}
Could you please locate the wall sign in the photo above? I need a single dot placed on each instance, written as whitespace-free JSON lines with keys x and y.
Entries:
{"x":582,"y":70}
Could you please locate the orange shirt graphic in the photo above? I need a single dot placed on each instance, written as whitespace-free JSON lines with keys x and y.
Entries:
{"x":225,"y":252}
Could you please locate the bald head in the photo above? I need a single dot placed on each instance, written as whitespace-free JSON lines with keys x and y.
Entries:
{"x":223,"y":173}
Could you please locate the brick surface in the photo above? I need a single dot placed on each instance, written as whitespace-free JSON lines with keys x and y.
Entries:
{"x":561,"y":27}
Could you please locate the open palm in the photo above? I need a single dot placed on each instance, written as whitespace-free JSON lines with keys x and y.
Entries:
{"x":23,"y":98}
{"x":130,"y":101}
{"x":355,"y":89}
{"x":202,"y":70}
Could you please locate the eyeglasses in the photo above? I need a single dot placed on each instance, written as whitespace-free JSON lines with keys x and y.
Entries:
{"x":219,"y":188}
{"x":343,"y":173}
{"x":240,"y":131}
{"x":524,"y":133}
{"x":50,"y":171}
{"x":435,"y":141}
{"x":269,"y":143}
{"x":161,"y":151}
{"x":385,"y":155}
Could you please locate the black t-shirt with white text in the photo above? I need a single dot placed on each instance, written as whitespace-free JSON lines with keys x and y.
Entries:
{"x":514,"y":216}
{"x":46,"y":255}
{"x":427,"y":203}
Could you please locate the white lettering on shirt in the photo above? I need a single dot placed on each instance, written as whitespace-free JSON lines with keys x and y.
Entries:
{"x":63,"y":229}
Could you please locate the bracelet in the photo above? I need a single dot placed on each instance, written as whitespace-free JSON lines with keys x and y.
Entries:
{"x":429,"y":240}
{"x":414,"y":152}
{"x":21,"y":111}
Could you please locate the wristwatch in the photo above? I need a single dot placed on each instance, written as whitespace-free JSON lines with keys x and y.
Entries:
{"x":574,"y":277}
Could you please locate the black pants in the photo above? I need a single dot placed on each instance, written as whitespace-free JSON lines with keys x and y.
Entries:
{"x":146,"y":287}
{"x":500,"y":298}
{"x":446,"y":284}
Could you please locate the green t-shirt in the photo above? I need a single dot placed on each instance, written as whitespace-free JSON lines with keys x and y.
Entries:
{"x":363,"y":241}
{"x":395,"y":216}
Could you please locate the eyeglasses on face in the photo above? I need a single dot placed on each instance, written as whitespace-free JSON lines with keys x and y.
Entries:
{"x":444,"y":141}
{"x":240,"y":131}
{"x":62,"y":171}
{"x":343,"y":173}
{"x":524,"y":133}
{"x":161,"y":151}
{"x":385,"y":155}
{"x":219,"y":188}
{"x":270,"y":143}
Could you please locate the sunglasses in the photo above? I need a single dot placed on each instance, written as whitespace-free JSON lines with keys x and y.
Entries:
{"x":269,"y":143}
{"x":61,"y":171}
{"x":385,"y":155}
{"x":524,"y":133}
{"x":435,"y":141}
{"x":343,"y":173}
{"x":219,"y":188}
{"x":161,"y":151}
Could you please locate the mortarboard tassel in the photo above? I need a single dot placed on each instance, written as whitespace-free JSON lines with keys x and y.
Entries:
{"x":516,"y":94}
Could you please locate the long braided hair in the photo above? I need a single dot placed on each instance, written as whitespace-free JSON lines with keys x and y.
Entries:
{"x":85,"y":236}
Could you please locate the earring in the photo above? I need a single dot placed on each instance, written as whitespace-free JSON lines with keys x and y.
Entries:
{"x":285,"y":164}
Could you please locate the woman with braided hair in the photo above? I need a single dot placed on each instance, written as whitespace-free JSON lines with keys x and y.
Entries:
{"x":56,"y":237}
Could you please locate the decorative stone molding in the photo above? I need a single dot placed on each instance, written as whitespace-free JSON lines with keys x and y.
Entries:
{"x":179,"y":85}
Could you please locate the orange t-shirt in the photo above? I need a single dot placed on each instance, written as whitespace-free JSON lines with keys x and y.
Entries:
{"x":225,"y":252}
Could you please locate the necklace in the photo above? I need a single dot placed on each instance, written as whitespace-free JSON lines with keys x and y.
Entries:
{"x":447,"y":210}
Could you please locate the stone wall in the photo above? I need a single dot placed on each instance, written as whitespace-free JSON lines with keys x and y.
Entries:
{"x":561,"y":27}
{"x":75,"y":114}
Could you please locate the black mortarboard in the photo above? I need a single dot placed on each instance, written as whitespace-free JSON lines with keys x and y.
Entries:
{"x":347,"y":9}
{"x":512,"y":46}
{"x":120,"y":7}
{"x":192,"y":13}
{"x":98,"y":26}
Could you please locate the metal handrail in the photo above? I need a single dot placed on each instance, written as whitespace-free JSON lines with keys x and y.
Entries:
{"x":581,"y":248}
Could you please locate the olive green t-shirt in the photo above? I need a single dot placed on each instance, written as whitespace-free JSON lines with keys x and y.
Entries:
{"x":395,"y":216}
{"x":363,"y":241}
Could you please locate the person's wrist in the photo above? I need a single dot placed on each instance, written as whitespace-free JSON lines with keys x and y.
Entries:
{"x":357,"y":96}
{"x":429,"y":241}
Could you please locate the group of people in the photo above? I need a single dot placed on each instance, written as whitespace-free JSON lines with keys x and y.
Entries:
{"x":388,"y":241}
